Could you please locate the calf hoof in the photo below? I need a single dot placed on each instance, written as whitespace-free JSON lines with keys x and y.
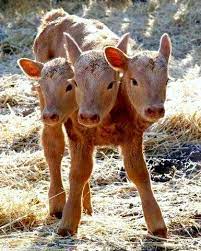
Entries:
{"x":88,"y":210}
{"x":161,"y":233}
{"x":56,"y":205}
{"x":66,"y":232}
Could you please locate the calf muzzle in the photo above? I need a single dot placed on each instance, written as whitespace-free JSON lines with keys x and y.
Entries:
{"x":155,"y":112}
{"x":88,"y":119}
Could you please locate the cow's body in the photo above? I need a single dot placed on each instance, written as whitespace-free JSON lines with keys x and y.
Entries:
{"x":105,"y":114}
{"x":89,"y":34}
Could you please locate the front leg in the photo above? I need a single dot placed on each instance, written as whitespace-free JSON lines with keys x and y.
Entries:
{"x":81,"y":168}
{"x":53,"y":144}
{"x":137,"y":172}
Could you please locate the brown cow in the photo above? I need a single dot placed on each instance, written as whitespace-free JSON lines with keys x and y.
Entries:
{"x":57,"y":101}
{"x":104,"y":120}
{"x":55,"y":90}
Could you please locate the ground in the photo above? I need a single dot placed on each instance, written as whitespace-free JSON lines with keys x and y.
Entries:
{"x":172,"y":146}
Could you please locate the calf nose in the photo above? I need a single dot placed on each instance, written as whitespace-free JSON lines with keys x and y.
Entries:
{"x":50,"y":117}
{"x":155,"y":111}
{"x":89,"y":118}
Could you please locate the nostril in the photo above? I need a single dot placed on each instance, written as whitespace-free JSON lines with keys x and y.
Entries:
{"x":95,"y":117}
{"x":82,"y":116}
{"x":54,"y":117}
{"x":44,"y":117}
{"x":161,"y":110}
{"x":150,"y":111}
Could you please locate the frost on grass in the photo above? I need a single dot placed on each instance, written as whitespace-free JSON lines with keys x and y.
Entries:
{"x":118,"y":222}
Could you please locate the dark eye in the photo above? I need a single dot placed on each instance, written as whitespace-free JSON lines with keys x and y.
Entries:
{"x":134,"y":81}
{"x":110,"y":85}
{"x":69,"y":88}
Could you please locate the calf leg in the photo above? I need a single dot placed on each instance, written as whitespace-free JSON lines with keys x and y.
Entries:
{"x":81,"y":168}
{"x":53,"y":144}
{"x":137,"y":172}
{"x":87,"y":206}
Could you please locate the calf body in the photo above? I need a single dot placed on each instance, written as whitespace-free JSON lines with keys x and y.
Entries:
{"x":120,"y":122}
{"x":106,"y":115}
{"x":89,"y":33}
{"x":122,"y":127}
{"x":57,"y":101}
{"x":48,"y":44}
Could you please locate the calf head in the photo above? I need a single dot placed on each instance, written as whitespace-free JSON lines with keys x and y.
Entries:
{"x":96,"y":82}
{"x":146,"y":77}
{"x":54,"y":88}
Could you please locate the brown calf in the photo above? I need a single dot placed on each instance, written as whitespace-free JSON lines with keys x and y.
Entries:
{"x":89,"y":34}
{"x":116,"y":121}
{"x":55,"y":90}
{"x":57,"y":101}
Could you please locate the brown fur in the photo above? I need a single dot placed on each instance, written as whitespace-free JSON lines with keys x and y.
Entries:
{"x":50,"y":17}
{"x":46,"y":47}
{"x":88,"y":32}
{"x":52,"y":74}
{"x":121,"y":125}
{"x":118,"y":123}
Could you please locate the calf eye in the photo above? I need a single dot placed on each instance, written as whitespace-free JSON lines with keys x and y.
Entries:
{"x":134,"y":81}
{"x":110,"y":85}
{"x":69,"y":88}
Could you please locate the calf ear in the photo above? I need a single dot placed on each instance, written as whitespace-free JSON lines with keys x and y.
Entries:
{"x":30,"y":67}
{"x":123,"y":42}
{"x":73,"y":50}
{"x":116,"y":58}
{"x":165,"y":46}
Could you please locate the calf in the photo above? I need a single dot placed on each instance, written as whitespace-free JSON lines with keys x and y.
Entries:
{"x":49,"y":44}
{"x":57,"y":101}
{"x":108,"y":115}
{"x":145,"y":75}
{"x":89,"y":33}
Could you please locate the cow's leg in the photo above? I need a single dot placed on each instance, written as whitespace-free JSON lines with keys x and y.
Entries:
{"x":137,"y":172}
{"x":87,"y":206}
{"x":53,"y":144}
{"x":81,"y":168}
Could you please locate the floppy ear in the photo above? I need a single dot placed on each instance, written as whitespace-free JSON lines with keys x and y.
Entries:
{"x":116,"y":58}
{"x":30,"y":67}
{"x":123,"y":42}
{"x":165,"y":46}
{"x":73,"y":50}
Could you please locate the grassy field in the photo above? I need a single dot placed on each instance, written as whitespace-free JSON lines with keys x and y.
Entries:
{"x":24,"y":179}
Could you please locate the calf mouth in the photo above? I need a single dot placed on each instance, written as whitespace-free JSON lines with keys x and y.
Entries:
{"x":88,"y":124}
{"x":153,"y":119}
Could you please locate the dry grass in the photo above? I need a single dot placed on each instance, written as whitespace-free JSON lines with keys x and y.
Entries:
{"x":24,"y":221}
